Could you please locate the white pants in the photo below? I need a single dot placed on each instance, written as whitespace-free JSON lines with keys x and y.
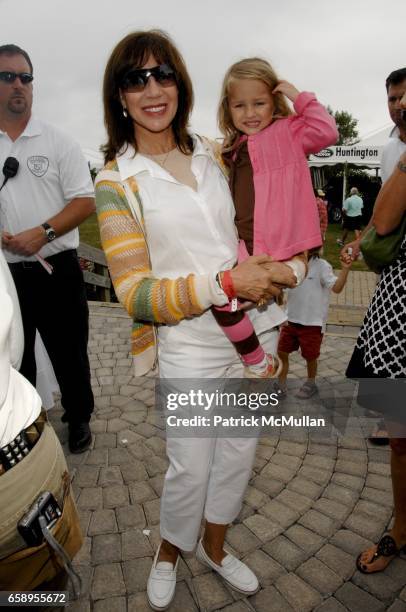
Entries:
{"x":207,"y":477}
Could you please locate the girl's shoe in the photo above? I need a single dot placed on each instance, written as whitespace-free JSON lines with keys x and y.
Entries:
{"x":272,"y":370}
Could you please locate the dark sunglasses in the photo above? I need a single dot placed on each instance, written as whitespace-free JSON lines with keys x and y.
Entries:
{"x":10,"y":77}
{"x":136,"y":80}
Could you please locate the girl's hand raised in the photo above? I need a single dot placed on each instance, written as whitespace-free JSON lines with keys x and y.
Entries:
{"x":287,"y":89}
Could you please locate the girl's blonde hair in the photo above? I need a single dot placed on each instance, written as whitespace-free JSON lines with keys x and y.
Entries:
{"x":250,"y":68}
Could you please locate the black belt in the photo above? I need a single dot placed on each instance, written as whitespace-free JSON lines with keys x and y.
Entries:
{"x":35,"y":265}
{"x":22,"y":445}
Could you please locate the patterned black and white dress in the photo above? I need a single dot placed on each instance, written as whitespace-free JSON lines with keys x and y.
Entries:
{"x":380,"y":351}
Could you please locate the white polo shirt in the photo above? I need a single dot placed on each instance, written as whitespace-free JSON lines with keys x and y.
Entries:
{"x":52,"y":172}
{"x":391,"y":154}
{"x":20,"y":404}
{"x":190,"y":231}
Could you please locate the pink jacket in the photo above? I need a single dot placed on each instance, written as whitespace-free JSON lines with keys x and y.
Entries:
{"x":286,"y":219}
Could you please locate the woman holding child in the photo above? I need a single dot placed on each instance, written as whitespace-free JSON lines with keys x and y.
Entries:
{"x":167,"y":226}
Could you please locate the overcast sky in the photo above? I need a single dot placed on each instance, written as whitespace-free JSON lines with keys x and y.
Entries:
{"x":341,"y":50}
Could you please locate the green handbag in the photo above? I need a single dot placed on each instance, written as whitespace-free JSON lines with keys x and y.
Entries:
{"x":380,"y":251}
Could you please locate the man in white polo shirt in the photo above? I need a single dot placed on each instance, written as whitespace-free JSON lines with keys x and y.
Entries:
{"x":40,"y":210}
{"x":396,"y":88}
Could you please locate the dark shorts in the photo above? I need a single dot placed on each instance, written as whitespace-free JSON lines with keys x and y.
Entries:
{"x":306,"y":337}
{"x":352,"y":223}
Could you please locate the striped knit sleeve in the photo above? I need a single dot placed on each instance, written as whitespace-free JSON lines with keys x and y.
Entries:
{"x":145,"y":297}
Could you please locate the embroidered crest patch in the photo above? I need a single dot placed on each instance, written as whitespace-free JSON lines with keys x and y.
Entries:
{"x":38,"y":164}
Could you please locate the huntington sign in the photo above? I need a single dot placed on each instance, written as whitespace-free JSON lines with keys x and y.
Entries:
{"x":339,"y":154}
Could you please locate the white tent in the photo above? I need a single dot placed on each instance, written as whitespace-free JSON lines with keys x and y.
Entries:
{"x":366,"y":153}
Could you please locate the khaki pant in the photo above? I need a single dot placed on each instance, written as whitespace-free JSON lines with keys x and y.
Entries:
{"x":44,"y":469}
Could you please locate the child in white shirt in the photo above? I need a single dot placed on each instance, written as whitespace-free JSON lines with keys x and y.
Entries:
{"x":307,"y":311}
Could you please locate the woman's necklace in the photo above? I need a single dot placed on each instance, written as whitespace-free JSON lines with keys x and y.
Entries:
{"x":161,"y":159}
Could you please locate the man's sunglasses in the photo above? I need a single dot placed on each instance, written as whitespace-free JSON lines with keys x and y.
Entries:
{"x":10,"y":77}
{"x":136,"y":80}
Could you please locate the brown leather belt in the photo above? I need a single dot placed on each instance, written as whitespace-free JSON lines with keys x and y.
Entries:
{"x":22,"y":445}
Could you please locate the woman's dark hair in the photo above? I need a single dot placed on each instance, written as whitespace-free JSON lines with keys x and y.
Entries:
{"x":133,"y":52}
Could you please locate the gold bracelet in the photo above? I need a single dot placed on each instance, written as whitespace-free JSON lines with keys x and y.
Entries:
{"x":401,"y":166}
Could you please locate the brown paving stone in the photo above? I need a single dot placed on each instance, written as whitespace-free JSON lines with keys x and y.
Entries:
{"x":262,"y":527}
{"x":271,"y":470}
{"x":266,"y":569}
{"x":106,"y":548}
{"x":115,"y":496}
{"x":136,"y":574}
{"x":135,"y":544}
{"x":108,"y":581}
{"x":289,"y":461}
{"x":346,"y":480}
{"x":268,"y":486}
{"x":356,"y":599}
{"x":295,"y":501}
{"x":110,"y":476}
{"x":365,"y":525}
{"x":305,"y":487}
{"x":86,"y":476}
{"x":102,"y":521}
{"x":383,"y":587}
{"x":111,"y":604}
{"x":341,"y":494}
{"x":269,"y":600}
{"x":117,"y":456}
{"x":211,"y":592}
{"x":331,"y":508}
{"x":350,"y":542}
{"x":152,"y":511}
{"x":383,"y":498}
{"x":133,"y":471}
{"x":307,"y":540}
{"x":280,"y":513}
{"x":285,"y":552}
{"x":140,"y":492}
{"x":336,"y":559}
{"x":301,"y":596}
{"x":90,"y":498}
{"x":317,"y":475}
{"x":105,"y":440}
{"x":130,"y":516}
{"x":319,"y":576}
{"x":242,"y":539}
{"x":255,"y":498}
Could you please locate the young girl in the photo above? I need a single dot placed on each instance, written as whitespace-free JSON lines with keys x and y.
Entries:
{"x":265,"y":147}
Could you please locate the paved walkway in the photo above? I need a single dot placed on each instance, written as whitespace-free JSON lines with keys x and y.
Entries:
{"x":311,"y":507}
{"x":348,"y":307}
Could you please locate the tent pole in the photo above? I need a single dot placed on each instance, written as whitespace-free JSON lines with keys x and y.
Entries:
{"x":344,"y":182}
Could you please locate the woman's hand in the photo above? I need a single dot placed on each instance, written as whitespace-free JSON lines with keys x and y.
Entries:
{"x":287,"y":89}
{"x":255,"y":278}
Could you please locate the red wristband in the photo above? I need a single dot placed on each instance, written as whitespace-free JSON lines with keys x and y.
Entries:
{"x":227,"y":284}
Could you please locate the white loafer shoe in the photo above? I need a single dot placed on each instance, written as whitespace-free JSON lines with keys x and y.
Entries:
{"x":161,"y":583}
{"x":235,"y":573}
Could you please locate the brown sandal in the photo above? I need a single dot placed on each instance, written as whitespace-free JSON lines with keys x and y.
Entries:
{"x":386,"y":548}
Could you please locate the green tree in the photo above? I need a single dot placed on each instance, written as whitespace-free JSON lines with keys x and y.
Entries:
{"x":347,"y":127}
